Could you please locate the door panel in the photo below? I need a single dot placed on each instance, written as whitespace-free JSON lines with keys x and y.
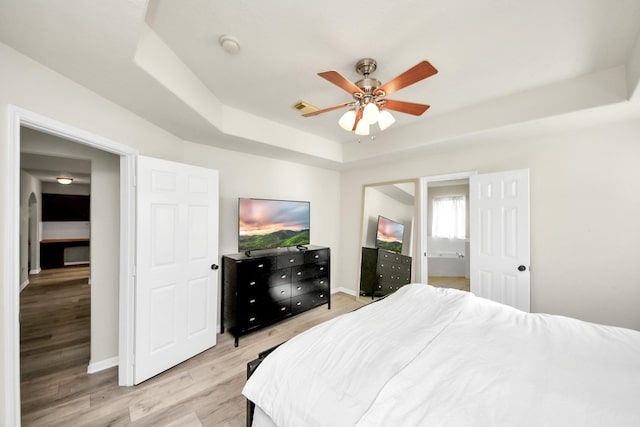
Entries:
{"x":176,"y":289}
{"x":499,"y":209}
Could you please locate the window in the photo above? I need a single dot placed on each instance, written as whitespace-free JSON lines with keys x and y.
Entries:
{"x":449,"y":217}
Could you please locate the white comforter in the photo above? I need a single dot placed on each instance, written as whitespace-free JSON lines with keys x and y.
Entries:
{"x":440,"y":357}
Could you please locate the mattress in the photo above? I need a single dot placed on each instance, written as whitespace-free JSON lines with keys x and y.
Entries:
{"x":442,"y":357}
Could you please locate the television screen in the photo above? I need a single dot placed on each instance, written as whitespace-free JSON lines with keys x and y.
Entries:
{"x":389,"y":234}
{"x":268,"y":224}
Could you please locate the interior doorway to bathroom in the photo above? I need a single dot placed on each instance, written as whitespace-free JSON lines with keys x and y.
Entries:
{"x":445,"y":231}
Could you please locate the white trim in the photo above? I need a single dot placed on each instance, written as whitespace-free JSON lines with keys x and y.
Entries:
{"x":345,"y":290}
{"x":68,"y":263}
{"x":423,"y":183}
{"x":19,"y":117}
{"x":11,"y":276}
{"x":102,"y":365}
{"x":23,"y":285}
{"x":126,"y":326}
{"x":35,"y":271}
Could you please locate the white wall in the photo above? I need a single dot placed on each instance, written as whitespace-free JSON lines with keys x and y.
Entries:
{"x":26,"y":84}
{"x":28,"y":185}
{"x":585,"y":232}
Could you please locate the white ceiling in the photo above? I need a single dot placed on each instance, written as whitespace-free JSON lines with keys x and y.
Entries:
{"x":503,"y":66}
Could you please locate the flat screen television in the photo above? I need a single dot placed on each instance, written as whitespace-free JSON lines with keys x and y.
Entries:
{"x":389,"y":234}
{"x":269,"y":224}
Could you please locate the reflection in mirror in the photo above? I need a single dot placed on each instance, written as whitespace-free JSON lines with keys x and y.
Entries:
{"x":448,"y":233}
{"x":388,"y":218}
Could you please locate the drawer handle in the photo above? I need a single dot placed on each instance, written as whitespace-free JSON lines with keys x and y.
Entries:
{"x":321,"y":295}
{"x":291,"y":260}
{"x":282,"y":292}
{"x":252,"y":301}
{"x":252,"y":283}
{"x":298,"y":287}
{"x":322,"y":282}
{"x":284,"y":276}
{"x":317,"y":256}
{"x":321,"y":268}
{"x":283,"y":308}
{"x":260,"y":265}
{"x":252,"y":319}
{"x":298,"y":303}
{"x":299,"y":273}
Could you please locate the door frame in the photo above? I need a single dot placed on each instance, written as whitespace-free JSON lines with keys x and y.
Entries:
{"x":424,"y":209}
{"x":18,"y":117}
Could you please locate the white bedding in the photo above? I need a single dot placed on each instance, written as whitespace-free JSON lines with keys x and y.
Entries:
{"x":441,"y":357}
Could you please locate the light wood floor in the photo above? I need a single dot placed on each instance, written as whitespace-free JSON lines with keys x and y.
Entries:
{"x":460,"y":283}
{"x":203,"y":391}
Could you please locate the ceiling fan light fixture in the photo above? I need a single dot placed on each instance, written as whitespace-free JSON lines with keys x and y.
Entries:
{"x":64,"y":180}
{"x":370,"y":113}
{"x":347,"y":120}
{"x":362,"y":128}
{"x":385,"y":119}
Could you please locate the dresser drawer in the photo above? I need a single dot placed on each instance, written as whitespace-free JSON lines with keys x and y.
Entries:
{"x":278,"y":293}
{"x":300,"y":288}
{"x":318,"y":269}
{"x":315,"y":256}
{"x":280,"y":277}
{"x":290,"y":259}
{"x":254,"y":273}
{"x":307,"y":301}
{"x":280,"y":309}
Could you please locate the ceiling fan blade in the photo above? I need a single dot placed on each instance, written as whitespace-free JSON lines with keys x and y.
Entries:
{"x":339,"y":80}
{"x":413,"y":75}
{"x":406,"y":107}
{"x":358,"y":118}
{"x":324,"y":110}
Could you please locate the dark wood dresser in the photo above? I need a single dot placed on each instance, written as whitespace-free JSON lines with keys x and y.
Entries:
{"x":263,"y":289}
{"x":383,"y":272}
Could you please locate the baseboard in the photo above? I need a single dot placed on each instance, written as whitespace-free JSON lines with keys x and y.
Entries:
{"x":35,"y":271}
{"x":24,"y":285}
{"x":345,"y":290}
{"x":102,"y":365}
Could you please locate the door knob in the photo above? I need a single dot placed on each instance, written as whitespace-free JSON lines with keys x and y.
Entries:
{"x":214,"y":266}
{"x":521,"y":268}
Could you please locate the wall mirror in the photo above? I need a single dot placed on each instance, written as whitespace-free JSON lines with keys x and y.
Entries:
{"x":389,"y":213}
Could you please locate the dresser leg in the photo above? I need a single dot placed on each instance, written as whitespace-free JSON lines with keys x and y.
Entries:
{"x":236,"y":342}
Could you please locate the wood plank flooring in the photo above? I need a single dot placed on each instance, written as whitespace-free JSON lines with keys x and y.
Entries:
{"x":203,"y":391}
{"x":460,"y":283}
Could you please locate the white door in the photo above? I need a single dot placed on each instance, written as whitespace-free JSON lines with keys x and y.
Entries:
{"x":499,"y":234}
{"x":176,"y":285}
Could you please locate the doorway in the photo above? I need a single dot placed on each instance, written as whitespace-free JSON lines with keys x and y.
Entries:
{"x":55,"y":306}
{"x":448,"y":234}
{"x":445,"y":255}
{"x":18,"y":119}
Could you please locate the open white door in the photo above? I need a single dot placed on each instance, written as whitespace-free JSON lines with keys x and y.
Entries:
{"x":176,"y":285}
{"x":499,"y":232}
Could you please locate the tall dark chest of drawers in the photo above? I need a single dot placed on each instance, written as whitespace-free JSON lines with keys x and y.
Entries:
{"x":264,"y":289}
{"x":383,"y":272}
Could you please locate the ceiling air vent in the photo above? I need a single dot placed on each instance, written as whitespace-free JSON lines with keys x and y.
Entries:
{"x":304,"y":107}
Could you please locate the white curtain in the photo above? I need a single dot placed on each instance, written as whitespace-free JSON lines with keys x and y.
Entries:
{"x":449,"y":217}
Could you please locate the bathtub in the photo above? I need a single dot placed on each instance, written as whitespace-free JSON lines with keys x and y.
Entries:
{"x":447,"y":264}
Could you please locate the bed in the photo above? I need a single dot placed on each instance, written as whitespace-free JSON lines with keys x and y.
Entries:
{"x":427,"y":356}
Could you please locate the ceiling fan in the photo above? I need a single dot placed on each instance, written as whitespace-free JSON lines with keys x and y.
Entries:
{"x":370,"y":104}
